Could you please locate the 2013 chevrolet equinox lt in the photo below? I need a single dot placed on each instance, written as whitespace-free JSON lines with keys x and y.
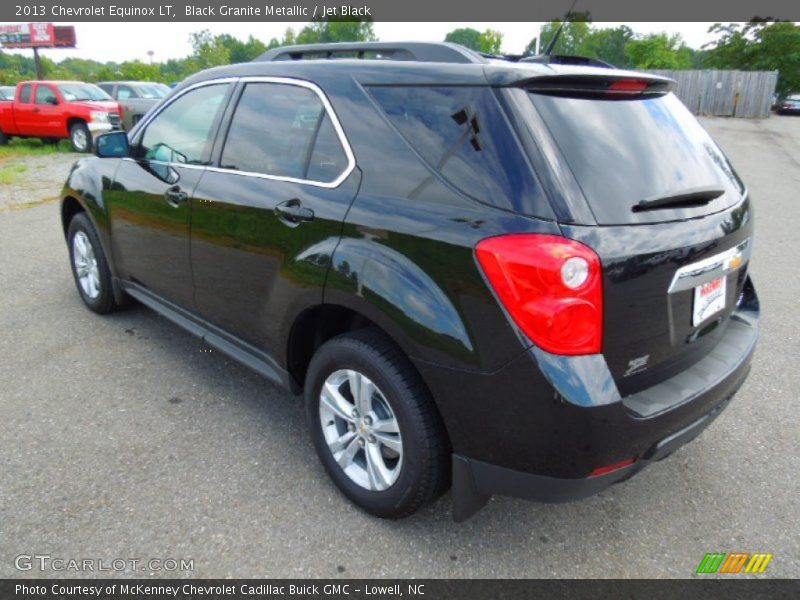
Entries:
{"x":518,"y":278}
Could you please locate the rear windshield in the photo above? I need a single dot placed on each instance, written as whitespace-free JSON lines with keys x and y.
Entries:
{"x":625,"y":151}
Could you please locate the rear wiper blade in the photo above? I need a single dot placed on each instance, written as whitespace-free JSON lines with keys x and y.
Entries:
{"x":686,"y":199}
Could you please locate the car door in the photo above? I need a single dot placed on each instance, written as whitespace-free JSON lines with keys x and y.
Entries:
{"x":48,"y":115}
{"x":23,"y":109}
{"x":266,"y":219}
{"x":149,"y":204}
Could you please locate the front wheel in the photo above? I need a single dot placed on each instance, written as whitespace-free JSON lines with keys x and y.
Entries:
{"x":80,"y":137}
{"x":374,"y":425}
{"x":89,"y":265}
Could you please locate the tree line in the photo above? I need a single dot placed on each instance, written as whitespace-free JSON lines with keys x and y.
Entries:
{"x":757,"y":45}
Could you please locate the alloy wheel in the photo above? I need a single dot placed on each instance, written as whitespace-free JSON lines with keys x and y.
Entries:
{"x":85,"y":262}
{"x":361,"y":430}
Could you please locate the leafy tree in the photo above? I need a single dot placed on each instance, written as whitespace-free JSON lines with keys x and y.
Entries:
{"x":137,"y":70}
{"x":336,"y":30}
{"x":659,"y":51}
{"x":240,"y":51}
{"x":490,"y":41}
{"x":758,"y":45}
{"x":609,"y":45}
{"x":207,"y":51}
{"x":572,"y":38}
{"x":466,"y":36}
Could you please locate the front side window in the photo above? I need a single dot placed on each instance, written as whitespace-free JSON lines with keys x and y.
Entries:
{"x":44,"y":95}
{"x":462,"y":134}
{"x":283,"y":130}
{"x":182,"y":132}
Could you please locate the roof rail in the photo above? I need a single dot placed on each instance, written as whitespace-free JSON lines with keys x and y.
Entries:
{"x":414,"y":51}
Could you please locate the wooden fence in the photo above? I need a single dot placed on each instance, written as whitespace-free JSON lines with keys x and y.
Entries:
{"x":745,"y":94}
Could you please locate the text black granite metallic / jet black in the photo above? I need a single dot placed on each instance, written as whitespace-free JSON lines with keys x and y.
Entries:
{"x":511,"y":276}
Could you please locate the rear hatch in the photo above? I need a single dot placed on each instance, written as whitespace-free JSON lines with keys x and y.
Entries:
{"x":667,"y":215}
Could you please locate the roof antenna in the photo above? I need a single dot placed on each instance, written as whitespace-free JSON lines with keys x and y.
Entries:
{"x":552,"y":43}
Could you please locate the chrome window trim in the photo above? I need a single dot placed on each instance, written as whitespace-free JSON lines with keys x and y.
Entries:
{"x":708,"y":269}
{"x":351,"y":161}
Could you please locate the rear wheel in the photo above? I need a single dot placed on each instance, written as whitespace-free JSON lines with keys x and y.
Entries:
{"x":89,"y":266}
{"x":374,"y":425}
{"x":3,"y":138}
{"x":80,"y":137}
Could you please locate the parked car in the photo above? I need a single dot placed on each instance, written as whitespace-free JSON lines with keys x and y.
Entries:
{"x":135,"y":98}
{"x":7,"y":92}
{"x":53,"y":110}
{"x":790,"y":105}
{"x":519,"y":278}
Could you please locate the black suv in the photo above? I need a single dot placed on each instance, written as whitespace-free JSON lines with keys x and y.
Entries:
{"x":521,"y":277}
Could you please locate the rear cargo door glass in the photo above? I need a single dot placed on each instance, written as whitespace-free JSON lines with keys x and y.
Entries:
{"x":625,"y":151}
{"x":462,"y":133}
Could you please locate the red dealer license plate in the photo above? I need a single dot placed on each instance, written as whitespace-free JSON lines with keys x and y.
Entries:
{"x":709,"y":299}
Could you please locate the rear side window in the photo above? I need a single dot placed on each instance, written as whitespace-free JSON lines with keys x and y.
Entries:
{"x":462,"y":133}
{"x":283,"y":130}
{"x":625,"y":151}
{"x":25,"y":93}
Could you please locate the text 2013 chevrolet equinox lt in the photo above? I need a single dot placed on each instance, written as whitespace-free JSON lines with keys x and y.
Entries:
{"x":520,"y":278}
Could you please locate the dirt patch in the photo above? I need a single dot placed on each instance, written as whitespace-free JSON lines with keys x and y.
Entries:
{"x":33,"y":179}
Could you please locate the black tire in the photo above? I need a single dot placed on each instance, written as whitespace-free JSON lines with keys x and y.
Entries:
{"x":424,"y":473}
{"x":3,"y":139}
{"x":103,"y":302}
{"x":80,"y":137}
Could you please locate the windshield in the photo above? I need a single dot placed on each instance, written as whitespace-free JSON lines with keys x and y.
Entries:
{"x":154,"y":91}
{"x":75,"y":92}
{"x":625,"y":151}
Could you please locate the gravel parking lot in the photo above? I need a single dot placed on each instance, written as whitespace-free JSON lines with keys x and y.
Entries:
{"x":123,"y":437}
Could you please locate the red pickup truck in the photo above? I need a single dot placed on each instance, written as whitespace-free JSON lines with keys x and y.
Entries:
{"x":53,"y":110}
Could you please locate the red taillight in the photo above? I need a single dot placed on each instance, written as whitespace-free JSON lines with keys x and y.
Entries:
{"x":612,"y":468}
{"x":628,"y":85}
{"x":551,"y":287}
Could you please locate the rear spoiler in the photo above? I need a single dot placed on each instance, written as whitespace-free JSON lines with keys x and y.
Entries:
{"x":609,"y":86}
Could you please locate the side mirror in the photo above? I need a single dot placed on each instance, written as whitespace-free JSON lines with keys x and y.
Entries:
{"x":112,"y":145}
{"x":52,"y":100}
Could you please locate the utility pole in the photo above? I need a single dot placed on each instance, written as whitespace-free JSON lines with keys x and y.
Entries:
{"x":38,"y":61}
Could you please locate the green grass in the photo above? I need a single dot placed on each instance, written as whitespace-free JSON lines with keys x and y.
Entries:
{"x":11,"y":173}
{"x":33,"y":147}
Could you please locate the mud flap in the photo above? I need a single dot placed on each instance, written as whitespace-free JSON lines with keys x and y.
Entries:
{"x":467,"y":500}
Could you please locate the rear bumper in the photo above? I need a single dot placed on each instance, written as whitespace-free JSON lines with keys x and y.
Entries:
{"x":538,"y":433}
{"x":474,"y":482}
